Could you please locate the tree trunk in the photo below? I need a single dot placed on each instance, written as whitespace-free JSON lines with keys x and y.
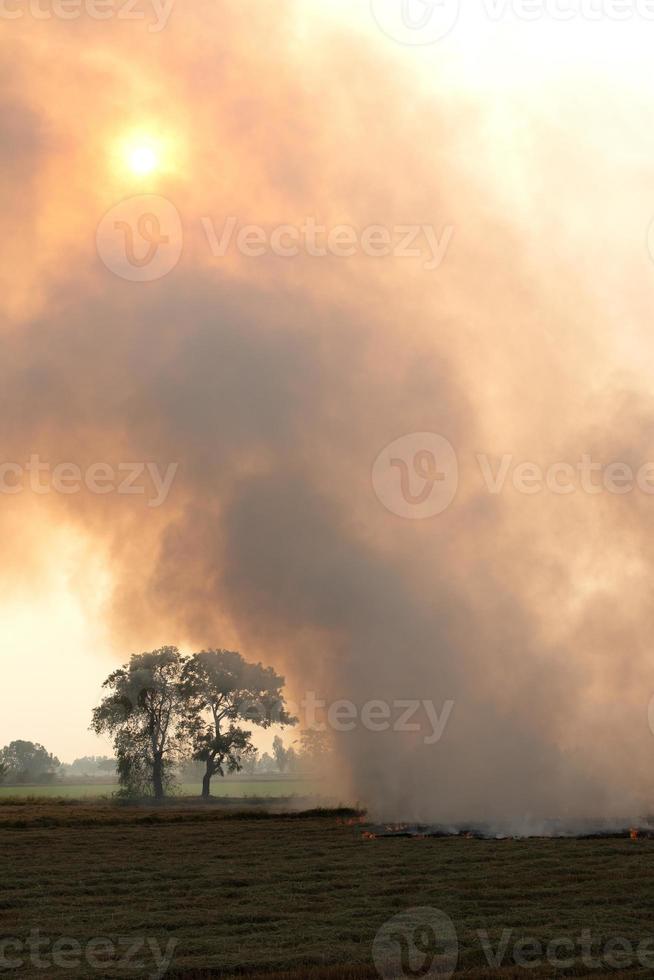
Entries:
{"x":206,"y":785}
{"x":157,"y":779}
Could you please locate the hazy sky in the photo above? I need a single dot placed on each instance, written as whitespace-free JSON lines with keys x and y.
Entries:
{"x":252,"y":248}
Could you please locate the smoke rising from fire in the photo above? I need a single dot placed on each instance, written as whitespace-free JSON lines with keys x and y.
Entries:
{"x":275,"y":383}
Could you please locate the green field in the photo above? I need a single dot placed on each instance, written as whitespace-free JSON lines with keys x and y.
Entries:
{"x":233,"y":788}
{"x":302,"y":896}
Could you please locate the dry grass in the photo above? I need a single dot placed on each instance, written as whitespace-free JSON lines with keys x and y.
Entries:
{"x":370,"y":973}
{"x":269,"y":895}
{"x":23,"y":815}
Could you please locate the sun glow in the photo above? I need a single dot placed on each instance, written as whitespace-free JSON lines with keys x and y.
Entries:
{"x":143,"y":159}
{"x":142,"y":153}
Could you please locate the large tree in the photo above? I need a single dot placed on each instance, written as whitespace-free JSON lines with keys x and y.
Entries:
{"x":220,"y":692}
{"x":27,"y":762}
{"x":141,"y":713}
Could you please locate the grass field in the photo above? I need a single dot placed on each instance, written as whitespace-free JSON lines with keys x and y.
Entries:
{"x":302,"y":896}
{"x":233,"y":788}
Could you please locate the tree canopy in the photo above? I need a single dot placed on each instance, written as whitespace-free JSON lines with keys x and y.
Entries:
{"x":141,"y":712}
{"x":220,"y":690}
{"x":27,"y":762}
{"x":162,"y":706}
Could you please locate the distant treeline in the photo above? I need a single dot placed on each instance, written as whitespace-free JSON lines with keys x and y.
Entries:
{"x":174,"y":718}
{"x":30,"y":764}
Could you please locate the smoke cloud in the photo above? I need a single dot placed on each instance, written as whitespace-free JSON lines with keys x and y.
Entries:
{"x":273,"y":383}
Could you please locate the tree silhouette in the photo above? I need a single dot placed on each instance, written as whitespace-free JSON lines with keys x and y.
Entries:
{"x":220,"y":690}
{"x":141,"y":714}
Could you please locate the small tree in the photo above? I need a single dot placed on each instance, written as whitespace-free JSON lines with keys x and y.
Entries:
{"x":249,"y":761}
{"x":105,"y":764}
{"x":219,"y":690}
{"x":281,"y":754}
{"x":266,"y":764}
{"x":27,"y":762}
{"x":90,"y":766}
{"x":315,"y":746}
{"x":141,"y":714}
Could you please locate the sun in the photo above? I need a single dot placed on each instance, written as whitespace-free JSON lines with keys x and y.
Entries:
{"x":143,"y":159}
{"x":141,"y":153}
{"x":145,"y":154}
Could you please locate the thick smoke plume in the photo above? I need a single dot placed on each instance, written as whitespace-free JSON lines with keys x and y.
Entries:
{"x":275,"y":382}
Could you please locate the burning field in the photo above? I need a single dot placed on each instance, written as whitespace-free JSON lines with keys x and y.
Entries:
{"x":232,"y":892}
{"x":552,"y":829}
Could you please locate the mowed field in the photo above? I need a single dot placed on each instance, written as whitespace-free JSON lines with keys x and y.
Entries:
{"x":301,"y":896}
{"x":232,"y":788}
